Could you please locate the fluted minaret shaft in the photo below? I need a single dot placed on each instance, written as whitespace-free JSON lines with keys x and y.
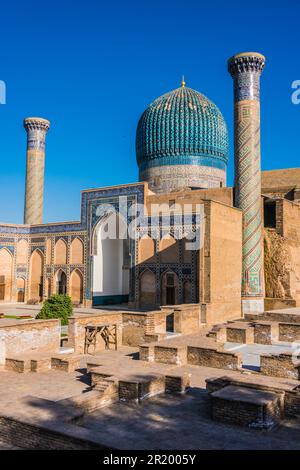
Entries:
{"x":246,"y":69}
{"x":35,"y":165}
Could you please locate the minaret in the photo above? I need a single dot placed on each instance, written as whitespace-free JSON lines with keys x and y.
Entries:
{"x":246,"y":69}
{"x":36,"y":129}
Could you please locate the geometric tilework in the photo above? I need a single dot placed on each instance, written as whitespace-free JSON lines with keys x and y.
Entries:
{"x":248,"y":193}
{"x":246,"y":68}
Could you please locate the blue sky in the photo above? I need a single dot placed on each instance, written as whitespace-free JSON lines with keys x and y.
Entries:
{"x":92,"y":67}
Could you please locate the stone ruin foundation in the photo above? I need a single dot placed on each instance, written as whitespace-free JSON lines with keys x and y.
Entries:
{"x":248,"y":373}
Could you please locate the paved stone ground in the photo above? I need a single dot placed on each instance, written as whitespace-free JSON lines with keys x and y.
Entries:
{"x":251,"y":352}
{"x":163,"y":422}
{"x":33,"y":310}
{"x":183,"y":422}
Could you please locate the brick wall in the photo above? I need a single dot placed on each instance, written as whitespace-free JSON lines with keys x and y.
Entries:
{"x":281,"y":365}
{"x":26,"y":336}
{"x":209,"y":357}
{"x":76,"y":329}
{"x":187,"y":319}
{"x":289,"y":332}
{"x":60,"y":436}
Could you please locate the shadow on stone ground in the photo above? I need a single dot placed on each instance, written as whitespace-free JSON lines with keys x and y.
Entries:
{"x":162,"y":422}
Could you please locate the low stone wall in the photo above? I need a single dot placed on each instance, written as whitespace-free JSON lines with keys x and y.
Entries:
{"x":27,"y":336}
{"x":134,"y":327}
{"x":290,"y":398}
{"x":141,"y":389}
{"x":244,"y":335}
{"x":210,"y":357}
{"x":187,"y":319}
{"x":281,"y":317}
{"x":78,"y":323}
{"x":281,"y":365}
{"x":289,"y":332}
{"x":292,"y":403}
{"x":138,"y":327}
{"x":265,"y":332}
{"x":51,"y":435}
{"x":170,"y":355}
{"x":276,"y":304}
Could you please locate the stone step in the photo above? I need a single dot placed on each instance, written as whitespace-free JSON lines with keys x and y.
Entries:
{"x":66,"y":363}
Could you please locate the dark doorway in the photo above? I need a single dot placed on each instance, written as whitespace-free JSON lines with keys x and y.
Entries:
{"x":170,"y":289}
{"x":41,"y":287}
{"x":170,"y":323}
{"x":62,"y":283}
{"x":21,"y":295}
{"x":270,"y":214}
{"x":2,"y":291}
{"x":170,"y":292}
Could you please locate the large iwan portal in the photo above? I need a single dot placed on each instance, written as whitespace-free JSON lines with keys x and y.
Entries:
{"x":110,"y":267}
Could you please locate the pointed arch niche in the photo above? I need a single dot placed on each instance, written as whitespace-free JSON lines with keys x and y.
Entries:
{"x":36,"y":275}
{"x":169,"y":249}
{"x":6,"y":270}
{"x":22,"y":251}
{"x":76,"y":286}
{"x":111,"y":262}
{"x":61,"y":282}
{"x":60,"y":252}
{"x":146,"y":249}
{"x":76,"y":251}
{"x":147,"y":289}
{"x":169,"y":288}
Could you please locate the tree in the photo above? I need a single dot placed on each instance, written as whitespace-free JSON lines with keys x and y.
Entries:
{"x":57,"y":306}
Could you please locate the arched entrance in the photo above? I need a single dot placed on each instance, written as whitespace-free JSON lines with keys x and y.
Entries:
{"x":6,"y":265}
{"x":147,"y":289}
{"x":36,"y":275}
{"x":61,"y":282}
{"x":111,"y":261}
{"x":169,"y":288}
{"x":20,"y":289}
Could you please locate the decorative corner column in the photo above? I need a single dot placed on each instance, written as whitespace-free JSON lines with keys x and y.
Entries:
{"x":246,"y":69}
{"x":36,"y":129}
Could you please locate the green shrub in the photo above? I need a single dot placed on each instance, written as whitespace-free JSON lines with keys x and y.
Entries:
{"x":56,"y":306}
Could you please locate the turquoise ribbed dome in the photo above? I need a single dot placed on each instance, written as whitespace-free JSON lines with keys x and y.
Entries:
{"x":182,"y":127}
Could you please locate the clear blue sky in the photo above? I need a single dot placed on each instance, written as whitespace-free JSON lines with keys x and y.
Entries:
{"x":92,"y":67}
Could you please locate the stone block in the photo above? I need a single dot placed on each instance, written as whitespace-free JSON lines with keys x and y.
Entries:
{"x":146,"y":352}
{"x":247,"y":407}
{"x":141,"y":388}
{"x":240,"y":334}
{"x":65,"y":363}
{"x":17,"y":364}
{"x":266,"y":332}
{"x":170,"y":355}
{"x":177,"y":383}
{"x":40,"y":364}
{"x":289,"y":332}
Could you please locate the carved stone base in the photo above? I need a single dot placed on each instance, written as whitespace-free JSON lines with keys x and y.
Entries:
{"x":252,"y":306}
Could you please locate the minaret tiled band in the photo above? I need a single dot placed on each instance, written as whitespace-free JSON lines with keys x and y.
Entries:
{"x":36,"y":129}
{"x":246,"y":69}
